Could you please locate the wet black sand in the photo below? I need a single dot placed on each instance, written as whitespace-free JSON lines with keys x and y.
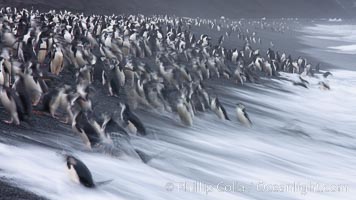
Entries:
{"x":11,"y":192}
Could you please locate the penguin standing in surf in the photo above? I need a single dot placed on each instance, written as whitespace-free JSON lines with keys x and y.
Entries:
{"x":183,"y":111}
{"x":242,"y":115}
{"x":133,"y":123}
{"x":218,"y":109}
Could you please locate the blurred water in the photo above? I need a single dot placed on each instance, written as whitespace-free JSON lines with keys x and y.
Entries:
{"x":345,"y":35}
{"x":331,"y":43}
{"x":340,"y":32}
{"x":300,"y":136}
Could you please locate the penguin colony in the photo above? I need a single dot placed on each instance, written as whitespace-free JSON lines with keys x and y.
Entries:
{"x":152,"y":63}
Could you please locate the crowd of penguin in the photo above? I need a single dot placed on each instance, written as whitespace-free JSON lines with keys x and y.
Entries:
{"x":154,"y":63}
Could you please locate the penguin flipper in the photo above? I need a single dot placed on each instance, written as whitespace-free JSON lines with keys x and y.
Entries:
{"x":247,"y":117}
{"x":101,"y":183}
{"x":144,"y":157}
{"x":225,"y":113}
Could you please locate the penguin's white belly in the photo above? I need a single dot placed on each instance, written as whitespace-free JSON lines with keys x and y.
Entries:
{"x":132,"y":128}
{"x":121,"y":77}
{"x":68,"y":37}
{"x":241,"y":117}
{"x":80,"y":60}
{"x":269,"y":70}
{"x":63,"y":101}
{"x":108,"y":42}
{"x":258,"y":66}
{"x":168,"y":76}
{"x":56,"y":103}
{"x":234,"y":58}
{"x":184,"y":115}
{"x":9,"y":105}
{"x":34,"y":88}
{"x":41,"y":56}
{"x":2,"y":78}
{"x":73,"y":175}
{"x":219,"y":113}
{"x":86,"y":105}
{"x":9,"y":39}
{"x":56,"y":64}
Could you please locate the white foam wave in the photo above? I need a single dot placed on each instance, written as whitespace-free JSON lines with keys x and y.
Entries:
{"x":304,"y":136}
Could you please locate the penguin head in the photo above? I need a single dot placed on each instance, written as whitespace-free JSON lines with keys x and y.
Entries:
{"x":79,"y":167}
{"x":241,"y":106}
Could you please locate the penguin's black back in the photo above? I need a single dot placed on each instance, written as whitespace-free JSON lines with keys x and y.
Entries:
{"x":84,"y":124}
{"x":112,"y":126}
{"x":82,"y":170}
